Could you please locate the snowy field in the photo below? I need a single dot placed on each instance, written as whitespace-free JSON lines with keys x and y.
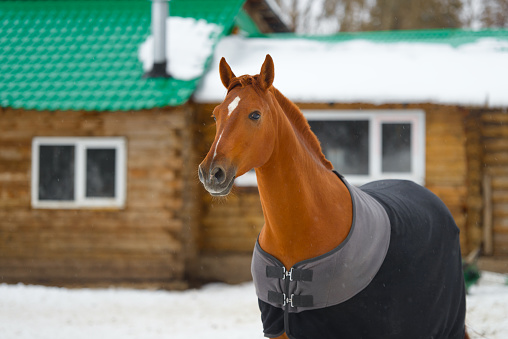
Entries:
{"x":213,"y":312}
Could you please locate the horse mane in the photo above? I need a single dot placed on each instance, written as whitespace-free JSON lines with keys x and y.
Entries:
{"x":301,"y":124}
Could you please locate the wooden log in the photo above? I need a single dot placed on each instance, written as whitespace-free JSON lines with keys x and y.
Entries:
{"x":500,"y":222}
{"x":87,"y":270}
{"x":495,"y":117}
{"x":474,"y":203}
{"x":496,"y":158}
{"x":495,"y":131}
{"x":500,"y":183}
{"x":225,"y":245}
{"x":497,"y":171}
{"x":251,"y":230}
{"x":446,"y":165}
{"x":91,"y":241}
{"x":500,"y":230}
{"x":500,"y":244}
{"x":496,"y":145}
{"x":488,"y":244}
{"x":499,"y":197}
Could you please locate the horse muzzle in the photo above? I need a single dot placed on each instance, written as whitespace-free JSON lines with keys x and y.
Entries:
{"x":217,"y":181}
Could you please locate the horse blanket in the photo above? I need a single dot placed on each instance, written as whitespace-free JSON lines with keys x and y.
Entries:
{"x":398,"y":274}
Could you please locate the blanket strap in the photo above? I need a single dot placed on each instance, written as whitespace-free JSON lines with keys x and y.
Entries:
{"x":294,"y":300}
{"x":294,"y":274}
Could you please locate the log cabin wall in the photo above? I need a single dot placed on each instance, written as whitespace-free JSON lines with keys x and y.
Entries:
{"x":475,"y":165}
{"x":493,"y":126}
{"x":144,"y":243}
{"x":229,"y":226}
{"x":446,"y":162}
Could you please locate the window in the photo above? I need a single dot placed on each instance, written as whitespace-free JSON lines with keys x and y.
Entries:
{"x":78,"y":172}
{"x":374,"y":144}
{"x":345,"y":143}
{"x":369,"y":145}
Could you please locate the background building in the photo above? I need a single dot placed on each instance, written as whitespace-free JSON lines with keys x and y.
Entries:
{"x":98,"y":165}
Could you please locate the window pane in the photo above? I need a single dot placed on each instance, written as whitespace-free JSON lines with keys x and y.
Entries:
{"x":396,"y":145}
{"x":56,"y":172}
{"x":100,"y":173}
{"x":345,"y":144}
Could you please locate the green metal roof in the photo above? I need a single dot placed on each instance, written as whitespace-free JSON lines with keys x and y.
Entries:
{"x":83,"y":55}
{"x":454,"y":37}
{"x":245,"y":23}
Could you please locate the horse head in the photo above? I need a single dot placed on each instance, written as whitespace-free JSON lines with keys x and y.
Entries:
{"x":245,"y":128}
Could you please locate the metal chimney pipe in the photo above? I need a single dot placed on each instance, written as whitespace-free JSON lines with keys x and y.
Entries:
{"x":160,"y":12}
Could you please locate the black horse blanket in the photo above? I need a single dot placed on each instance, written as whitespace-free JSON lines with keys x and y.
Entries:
{"x":417,"y":291}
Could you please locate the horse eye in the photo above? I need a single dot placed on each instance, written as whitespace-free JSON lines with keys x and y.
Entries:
{"x":254,"y":115}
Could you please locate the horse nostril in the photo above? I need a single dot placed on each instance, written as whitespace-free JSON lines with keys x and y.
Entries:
{"x":219,"y":175}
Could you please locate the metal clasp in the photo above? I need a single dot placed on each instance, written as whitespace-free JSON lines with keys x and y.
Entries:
{"x":287,"y":273}
{"x":288,"y":300}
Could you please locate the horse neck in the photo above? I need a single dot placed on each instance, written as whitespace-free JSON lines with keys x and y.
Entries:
{"x":307,"y":209}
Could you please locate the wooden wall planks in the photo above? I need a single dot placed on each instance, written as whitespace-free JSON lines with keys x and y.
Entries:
{"x":141,"y":243}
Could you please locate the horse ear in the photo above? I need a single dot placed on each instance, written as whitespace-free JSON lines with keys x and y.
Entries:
{"x":226,"y":74}
{"x":267,"y":73}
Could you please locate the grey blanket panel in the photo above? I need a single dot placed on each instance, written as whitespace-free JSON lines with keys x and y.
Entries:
{"x":337,"y":275}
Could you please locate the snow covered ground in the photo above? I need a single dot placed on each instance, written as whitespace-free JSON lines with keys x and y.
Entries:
{"x":215,"y":311}
{"x":487,"y":308}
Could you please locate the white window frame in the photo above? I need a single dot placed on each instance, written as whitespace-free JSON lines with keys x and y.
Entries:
{"x":81,"y":144}
{"x":376,"y":118}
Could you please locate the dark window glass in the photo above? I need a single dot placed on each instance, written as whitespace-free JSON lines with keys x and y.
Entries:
{"x":100,"y":173}
{"x":345,"y":144}
{"x":56,"y":172}
{"x":396,"y":145}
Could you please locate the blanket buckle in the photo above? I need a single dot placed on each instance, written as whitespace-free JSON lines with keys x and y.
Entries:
{"x":286,"y":273}
{"x":287,"y":300}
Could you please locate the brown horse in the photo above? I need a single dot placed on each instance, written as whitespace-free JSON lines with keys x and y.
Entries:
{"x":313,"y":217}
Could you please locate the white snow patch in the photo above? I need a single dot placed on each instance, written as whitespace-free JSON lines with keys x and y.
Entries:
{"x":216,"y":311}
{"x":364,"y":71}
{"x":189,"y":44}
{"x":213,"y":312}
{"x":487,"y":307}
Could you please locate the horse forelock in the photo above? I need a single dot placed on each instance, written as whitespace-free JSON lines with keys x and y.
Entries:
{"x":244,"y":81}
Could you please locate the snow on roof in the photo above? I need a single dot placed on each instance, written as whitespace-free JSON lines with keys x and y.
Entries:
{"x":356,"y":70}
{"x":187,"y":52}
